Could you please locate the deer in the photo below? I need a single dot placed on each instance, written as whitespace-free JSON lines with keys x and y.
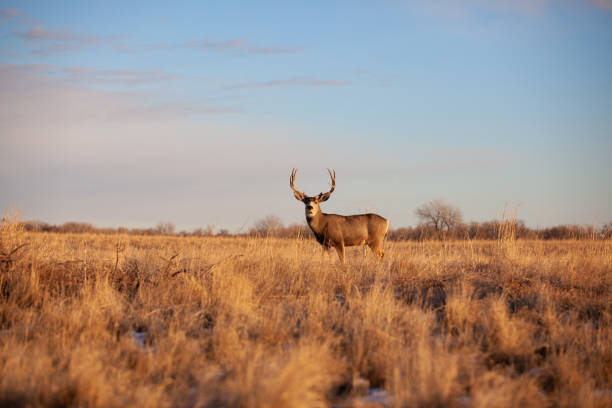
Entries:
{"x":339,"y":231}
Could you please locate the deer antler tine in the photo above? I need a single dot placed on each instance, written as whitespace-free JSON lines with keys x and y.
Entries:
{"x":292,"y":178}
{"x":333,"y":178}
{"x":292,"y":183}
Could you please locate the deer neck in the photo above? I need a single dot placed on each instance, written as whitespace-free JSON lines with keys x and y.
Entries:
{"x":316,"y":222}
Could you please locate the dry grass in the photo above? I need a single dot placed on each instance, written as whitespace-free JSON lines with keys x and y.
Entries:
{"x":98,"y":320}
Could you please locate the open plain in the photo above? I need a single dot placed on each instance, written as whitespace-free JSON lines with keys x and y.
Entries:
{"x":166,"y":321}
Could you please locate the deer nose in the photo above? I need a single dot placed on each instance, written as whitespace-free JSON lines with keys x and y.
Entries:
{"x":309,"y":207}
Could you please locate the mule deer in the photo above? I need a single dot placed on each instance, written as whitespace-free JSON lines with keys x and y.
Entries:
{"x":339,"y":231}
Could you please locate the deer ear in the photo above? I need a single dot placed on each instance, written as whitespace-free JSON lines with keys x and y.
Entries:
{"x":323,"y":197}
{"x":298,"y":195}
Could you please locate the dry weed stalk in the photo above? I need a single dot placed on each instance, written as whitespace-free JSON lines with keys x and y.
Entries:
{"x":507,"y":231}
{"x":11,"y":241}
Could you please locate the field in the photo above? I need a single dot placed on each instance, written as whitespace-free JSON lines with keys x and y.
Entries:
{"x":123,"y":320}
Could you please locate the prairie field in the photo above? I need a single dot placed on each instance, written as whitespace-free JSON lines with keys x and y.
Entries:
{"x":164,"y":321}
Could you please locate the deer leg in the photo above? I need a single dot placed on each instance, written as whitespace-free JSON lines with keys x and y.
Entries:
{"x":378,"y":251}
{"x":324,"y":252}
{"x":340,"y":250}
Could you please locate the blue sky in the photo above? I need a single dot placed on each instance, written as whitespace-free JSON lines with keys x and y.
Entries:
{"x":126,"y":113}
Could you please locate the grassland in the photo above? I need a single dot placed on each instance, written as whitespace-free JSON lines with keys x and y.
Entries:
{"x":118,"y":320}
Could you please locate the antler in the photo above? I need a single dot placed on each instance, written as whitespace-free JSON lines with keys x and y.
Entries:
{"x":325,"y":196}
{"x":298,"y":194}
{"x":333,"y":178}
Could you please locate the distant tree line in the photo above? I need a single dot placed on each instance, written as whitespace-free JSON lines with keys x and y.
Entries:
{"x":422,"y":232}
{"x":163,"y":228}
{"x":491,"y":230}
{"x":438,"y":220}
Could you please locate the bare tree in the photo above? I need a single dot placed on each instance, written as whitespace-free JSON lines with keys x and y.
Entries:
{"x":165,"y":228}
{"x":268,"y":225}
{"x":441,"y":215}
{"x":223,"y":233}
{"x":606,"y":231}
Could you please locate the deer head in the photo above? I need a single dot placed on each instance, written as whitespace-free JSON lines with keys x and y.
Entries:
{"x":312,"y":203}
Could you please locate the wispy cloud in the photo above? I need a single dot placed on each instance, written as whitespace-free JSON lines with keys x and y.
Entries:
{"x":183,"y":109}
{"x":520,"y":6}
{"x":116,"y":76}
{"x":28,"y":68}
{"x":61,"y":41}
{"x":42,"y":33}
{"x":459,"y":9}
{"x":240,"y":46}
{"x":92,"y":76}
{"x":298,"y":81}
{"x":31,"y":90}
{"x":10,"y":14}
{"x":49,"y":41}
{"x":605,"y":4}
{"x":234,"y":46}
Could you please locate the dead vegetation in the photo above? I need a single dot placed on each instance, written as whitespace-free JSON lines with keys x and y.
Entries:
{"x":124,"y":320}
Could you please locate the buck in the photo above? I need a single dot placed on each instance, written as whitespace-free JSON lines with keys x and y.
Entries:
{"x":339,"y":231}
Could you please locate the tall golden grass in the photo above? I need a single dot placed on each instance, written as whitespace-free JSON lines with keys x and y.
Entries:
{"x":118,"y":320}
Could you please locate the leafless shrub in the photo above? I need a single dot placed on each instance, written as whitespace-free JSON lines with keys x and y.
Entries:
{"x":267,"y":226}
{"x":165,"y":228}
{"x":443,"y":217}
{"x":606,"y":231}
